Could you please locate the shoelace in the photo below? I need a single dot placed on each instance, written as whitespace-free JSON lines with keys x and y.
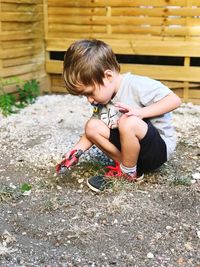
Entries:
{"x":115,"y":171}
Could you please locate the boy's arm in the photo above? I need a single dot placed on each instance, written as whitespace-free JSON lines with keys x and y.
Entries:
{"x":83,"y":144}
{"x":164,"y":105}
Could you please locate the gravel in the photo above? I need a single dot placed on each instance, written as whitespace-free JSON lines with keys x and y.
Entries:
{"x":62,"y":223}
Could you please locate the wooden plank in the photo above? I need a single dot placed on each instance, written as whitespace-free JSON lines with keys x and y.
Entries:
{"x":64,"y":28}
{"x":128,"y":3}
{"x":21,"y":51}
{"x":57,"y":80}
{"x":178,"y":92}
{"x":118,"y":36}
{"x":58,"y":44}
{"x":62,"y":44}
{"x":16,"y":26}
{"x":19,"y":43}
{"x":30,"y":2}
{"x":155,"y":11}
{"x":54,"y":66}
{"x":58,"y":89}
{"x":17,"y":61}
{"x":194,"y":101}
{"x":166,"y":48}
{"x":18,"y":35}
{"x":171,"y":73}
{"x":84,"y":11}
{"x":18,"y":70}
{"x":176,"y":30}
{"x":126,"y":46}
{"x":13,"y":7}
{"x":45,"y":12}
{"x":119,"y":20}
{"x":194,"y":93}
{"x":0,"y":40}
{"x":179,"y":85}
{"x":20,"y":16}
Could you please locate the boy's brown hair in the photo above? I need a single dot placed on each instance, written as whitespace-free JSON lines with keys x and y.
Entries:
{"x":85,"y":62}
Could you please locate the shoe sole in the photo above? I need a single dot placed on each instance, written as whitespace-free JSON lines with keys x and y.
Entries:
{"x":93,"y":188}
{"x":139,"y":179}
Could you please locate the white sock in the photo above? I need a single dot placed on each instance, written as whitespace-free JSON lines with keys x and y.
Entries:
{"x":129,"y":170}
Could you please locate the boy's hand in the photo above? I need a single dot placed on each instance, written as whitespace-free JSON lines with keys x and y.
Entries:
{"x":128,"y":111}
{"x":71,"y":158}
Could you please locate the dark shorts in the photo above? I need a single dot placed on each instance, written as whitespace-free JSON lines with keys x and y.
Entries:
{"x":153,"y":151}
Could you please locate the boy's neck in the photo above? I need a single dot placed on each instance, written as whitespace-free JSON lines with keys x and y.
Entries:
{"x":118,"y":78}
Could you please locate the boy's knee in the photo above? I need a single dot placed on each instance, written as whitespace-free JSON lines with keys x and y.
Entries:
{"x":91,"y":127}
{"x":133,"y":125}
{"x":128,"y":123}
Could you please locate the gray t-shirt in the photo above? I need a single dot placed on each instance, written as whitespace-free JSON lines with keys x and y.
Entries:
{"x":139,"y":91}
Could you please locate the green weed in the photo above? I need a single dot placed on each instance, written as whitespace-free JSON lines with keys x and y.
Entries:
{"x":7,"y":102}
{"x":27,"y":92}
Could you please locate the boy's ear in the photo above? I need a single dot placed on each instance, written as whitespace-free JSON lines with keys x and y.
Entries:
{"x":108,"y":74}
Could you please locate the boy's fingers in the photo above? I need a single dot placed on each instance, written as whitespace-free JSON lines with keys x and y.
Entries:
{"x":121,"y":107}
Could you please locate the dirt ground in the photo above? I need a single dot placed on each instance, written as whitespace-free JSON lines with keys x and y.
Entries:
{"x":60,"y":222}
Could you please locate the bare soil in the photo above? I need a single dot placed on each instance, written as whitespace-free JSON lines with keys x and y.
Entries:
{"x":60,"y":222}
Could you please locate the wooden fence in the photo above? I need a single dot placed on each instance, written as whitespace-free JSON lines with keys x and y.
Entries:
{"x":22,"y":50}
{"x":143,"y":33}
{"x":152,"y":29}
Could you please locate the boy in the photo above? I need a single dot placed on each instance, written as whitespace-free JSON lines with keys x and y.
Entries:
{"x":131,"y":121}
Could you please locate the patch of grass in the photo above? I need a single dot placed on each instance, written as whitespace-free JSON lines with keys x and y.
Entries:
{"x":92,"y":167}
{"x":7,"y":193}
{"x":118,"y":203}
{"x":50,"y":204}
{"x":183,"y":180}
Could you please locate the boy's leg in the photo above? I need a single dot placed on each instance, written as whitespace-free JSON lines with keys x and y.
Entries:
{"x":149,"y":151}
{"x":132,"y":129}
{"x":98,"y":133}
{"x":153,"y":151}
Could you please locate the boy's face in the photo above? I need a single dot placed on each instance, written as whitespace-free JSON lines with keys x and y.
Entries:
{"x":101,"y":94}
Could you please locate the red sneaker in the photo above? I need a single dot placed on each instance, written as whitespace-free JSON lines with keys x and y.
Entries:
{"x":116,"y":172}
{"x":99,"y":183}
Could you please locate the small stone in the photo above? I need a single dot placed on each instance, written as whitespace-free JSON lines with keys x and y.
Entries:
{"x":49,"y":233}
{"x":168,"y":227}
{"x":158,"y":235}
{"x":140,"y":237}
{"x":150,"y":255}
{"x":198,"y":233}
{"x":59,"y":187}
{"x":188,"y":246}
{"x":115,"y":221}
{"x":80,"y":180}
{"x":196,"y":176}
